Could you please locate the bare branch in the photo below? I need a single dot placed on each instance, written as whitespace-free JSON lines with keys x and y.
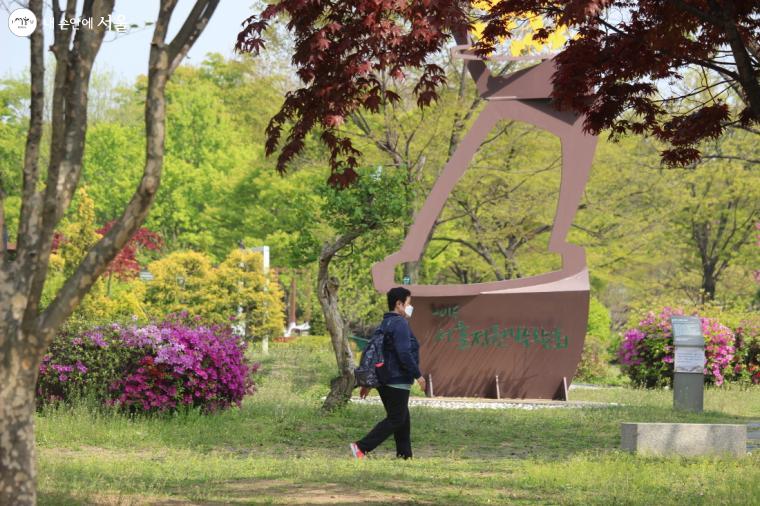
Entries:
{"x":30,"y":205}
{"x":698,"y":91}
{"x":498,"y":134}
{"x":717,"y":68}
{"x":191,"y":29}
{"x":66,"y":164}
{"x":747,"y":230}
{"x":727,"y":157}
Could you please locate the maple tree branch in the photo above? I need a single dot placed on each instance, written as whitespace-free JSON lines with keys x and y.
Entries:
{"x":698,"y":92}
{"x":717,"y":68}
{"x":747,"y":74}
{"x":700,"y":14}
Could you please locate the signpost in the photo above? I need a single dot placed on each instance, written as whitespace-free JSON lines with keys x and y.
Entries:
{"x":689,"y":355}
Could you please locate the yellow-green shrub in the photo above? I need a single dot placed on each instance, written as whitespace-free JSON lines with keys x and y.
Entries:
{"x":186,"y":281}
{"x":179,"y":281}
{"x":124,"y":301}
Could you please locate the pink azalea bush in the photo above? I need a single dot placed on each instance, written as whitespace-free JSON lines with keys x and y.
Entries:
{"x":746,"y":363}
{"x":646,"y":351}
{"x":151,"y":368}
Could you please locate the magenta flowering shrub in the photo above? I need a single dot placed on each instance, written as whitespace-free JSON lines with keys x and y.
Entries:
{"x":82,"y":364}
{"x":746,"y":363}
{"x":150,"y":368}
{"x":646,"y":351}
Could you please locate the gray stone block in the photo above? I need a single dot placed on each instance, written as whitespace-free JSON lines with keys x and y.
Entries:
{"x":686,"y":439}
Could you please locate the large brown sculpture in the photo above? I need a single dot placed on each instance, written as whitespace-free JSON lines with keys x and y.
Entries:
{"x":517,"y":338}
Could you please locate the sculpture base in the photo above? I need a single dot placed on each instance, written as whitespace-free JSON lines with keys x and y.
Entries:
{"x":527,"y":342}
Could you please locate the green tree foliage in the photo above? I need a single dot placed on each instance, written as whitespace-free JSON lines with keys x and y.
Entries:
{"x":107,"y":300}
{"x":654,"y":233}
{"x":210,"y":148}
{"x":375,"y":207}
{"x":112,"y":166}
{"x":497,"y":219}
{"x":13,"y":96}
{"x":637,"y":221}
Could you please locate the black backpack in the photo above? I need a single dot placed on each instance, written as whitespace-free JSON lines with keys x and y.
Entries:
{"x":372,"y":371}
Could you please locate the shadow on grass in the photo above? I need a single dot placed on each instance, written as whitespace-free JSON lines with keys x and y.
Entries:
{"x":262,"y":491}
{"x":58,"y":498}
{"x":63,"y":498}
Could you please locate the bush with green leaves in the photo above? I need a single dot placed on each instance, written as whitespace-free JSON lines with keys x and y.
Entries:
{"x":594,"y":364}
{"x":599,"y":320}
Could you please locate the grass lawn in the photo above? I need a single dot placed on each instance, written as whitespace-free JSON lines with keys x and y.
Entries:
{"x":280,"y":449}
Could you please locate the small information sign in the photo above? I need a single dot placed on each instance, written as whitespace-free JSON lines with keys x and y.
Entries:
{"x":688,"y":341}
{"x":686,"y":326}
{"x":690,"y":359}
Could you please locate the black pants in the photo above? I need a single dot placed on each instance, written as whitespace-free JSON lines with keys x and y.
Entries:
{"x":396,"y":422}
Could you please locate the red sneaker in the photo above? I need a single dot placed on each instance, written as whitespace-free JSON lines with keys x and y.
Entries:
{"x":358,"y":454}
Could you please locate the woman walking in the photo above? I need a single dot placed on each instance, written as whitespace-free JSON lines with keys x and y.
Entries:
{"x":402,"y":359}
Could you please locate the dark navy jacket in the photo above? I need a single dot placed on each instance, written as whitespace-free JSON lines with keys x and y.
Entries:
{"x":401,"y":350}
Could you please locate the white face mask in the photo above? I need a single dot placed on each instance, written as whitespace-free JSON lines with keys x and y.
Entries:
{"x":408,"y":310}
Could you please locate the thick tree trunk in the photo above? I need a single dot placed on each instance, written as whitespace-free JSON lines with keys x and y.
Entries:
{"x":327,"y":293}
{"x":340,"y":391}
{"x":17,"y":457}
{"x":709,"y":282}
{"x":22,"y":279}
{"x":342,"y":385}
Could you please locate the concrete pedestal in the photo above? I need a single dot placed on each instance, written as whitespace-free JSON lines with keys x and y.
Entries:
{"x":686,"y":439}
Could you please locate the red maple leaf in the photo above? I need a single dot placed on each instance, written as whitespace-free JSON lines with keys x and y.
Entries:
{"x":125,"y":265}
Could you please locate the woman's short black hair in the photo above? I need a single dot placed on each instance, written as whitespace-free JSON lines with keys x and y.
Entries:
{"x":396,"y":294}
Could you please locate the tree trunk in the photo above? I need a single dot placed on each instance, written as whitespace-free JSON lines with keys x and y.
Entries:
{"x":342,"y":385}
{"x":327,"y":292}
{"x":26,"y":330}
{"x":709,"y":282}
{"x":340,"y":391}
{"x":412,"y":269}
{"x":17,"y":457}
